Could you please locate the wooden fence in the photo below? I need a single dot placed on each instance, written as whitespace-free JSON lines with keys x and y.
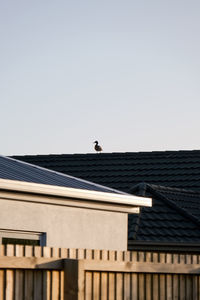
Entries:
{"x":42,"y":273}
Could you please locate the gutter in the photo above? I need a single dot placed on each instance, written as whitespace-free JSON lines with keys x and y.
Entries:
{"x":175,"y":247}
{"x":58,"y":191}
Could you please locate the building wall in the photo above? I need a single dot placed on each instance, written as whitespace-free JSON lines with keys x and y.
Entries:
{"x":65,"y":226}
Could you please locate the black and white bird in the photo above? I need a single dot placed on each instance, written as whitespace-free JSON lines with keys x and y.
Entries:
{"x":97,"y":147}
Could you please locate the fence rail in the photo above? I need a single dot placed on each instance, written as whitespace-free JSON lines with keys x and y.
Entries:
{"x":34,"y":273}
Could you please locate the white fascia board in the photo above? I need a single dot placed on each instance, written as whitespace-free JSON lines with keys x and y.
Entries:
{"x":88,"y":195}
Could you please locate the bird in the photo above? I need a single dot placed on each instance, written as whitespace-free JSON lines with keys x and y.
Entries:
{"x":97,"y":147}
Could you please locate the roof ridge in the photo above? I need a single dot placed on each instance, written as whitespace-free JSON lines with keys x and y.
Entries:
{"x":116,"y":153}
{"x":65,"y":175}
{"x":173,"y":204}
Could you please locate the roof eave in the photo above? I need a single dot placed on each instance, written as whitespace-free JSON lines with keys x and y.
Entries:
{"x":58,"y":191}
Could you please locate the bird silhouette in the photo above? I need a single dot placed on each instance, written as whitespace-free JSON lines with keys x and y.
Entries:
{"x":97,"y":147}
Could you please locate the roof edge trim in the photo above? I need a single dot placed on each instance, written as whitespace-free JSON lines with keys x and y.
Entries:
{"x":35,"y":188}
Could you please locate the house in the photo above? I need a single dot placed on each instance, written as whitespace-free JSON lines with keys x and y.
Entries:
{"x":44,"y":207}
{"x":171,"y":178}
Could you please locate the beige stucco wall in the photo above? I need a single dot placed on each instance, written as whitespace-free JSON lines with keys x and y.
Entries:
{"x":70,"y":227}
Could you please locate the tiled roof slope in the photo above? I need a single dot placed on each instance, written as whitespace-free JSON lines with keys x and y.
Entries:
{"x":180,"y":169}
{"x":17,"y":170}
{"x":174,"y":216}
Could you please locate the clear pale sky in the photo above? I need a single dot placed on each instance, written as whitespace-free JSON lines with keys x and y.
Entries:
{"x":126,"y":73}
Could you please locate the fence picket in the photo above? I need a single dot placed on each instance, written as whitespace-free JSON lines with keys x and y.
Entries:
{"x":88,"y":286}
{"x":28,"y":285}
{"x":96,"y":285}
{"x":111,"y":279}
{"x":104,"y":284}
{"x":127,"y":286}
{"x":148,"y":284}
{"x":2,"y":278}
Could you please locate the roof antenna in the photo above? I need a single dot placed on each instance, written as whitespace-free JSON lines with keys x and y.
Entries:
{"x":97,"y":147}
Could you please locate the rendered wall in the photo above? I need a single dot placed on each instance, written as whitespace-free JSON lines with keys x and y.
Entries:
{"x":68,"y":227}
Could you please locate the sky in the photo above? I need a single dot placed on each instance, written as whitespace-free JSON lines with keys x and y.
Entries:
{"x":125,"y":73}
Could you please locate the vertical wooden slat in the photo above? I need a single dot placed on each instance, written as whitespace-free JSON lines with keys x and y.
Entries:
{"x":148,"y":285}
{"x":182,"y":279}
{"x":9,"y":284}
{"x":55,"y":252}
{"x":141,"y":277}
{"x":46,"y":276}
{"x":162,"y":279}
{"x":9,"y":250}
{"x":2,"y":284}
{"x":182,"y":287}
{"x":134,"y":286}
{"x":119,"y":255}
{"x":38,"y":285}
{"x":63,"y":253}
{"x":28,"y":251}
{"x":127,"y":286}
{"x":127,"y":256}
{"x":88,"y":286}
{"x":176,"y":294}
{"x":195,"y":291}
{"x":195,"y":287}
{"x":133,"y":256}
{"x":28,"y":281}
{"x":81,"y":253}
{"x":104,"y":254}
{"x":155,"y":279}
{"x":72,"y":253}
{"x":141,"y":286}
{"x":46,"y":252}
{"x":88,"y":254}
{"x":96,"y":254}
{"x":19,"y":284}
{"x":96,"y":285}
{"x":104,"y":285}
{"x":37,"y":251}
{"x":55,"y":277}
{"x":48,"y":291}
{"x":169,"y":290}
{"x":169,"y":287}
{"x":198,"y":284}
{"x":134,"y":277}
{"x":2,"y":274}
{"x":38,"y":276}
{"x":19,"y":275}
{"x":112,"y":255}
{"x":188,"y":287}
{"x":62,"y":285}
{"x":119,"y":286}
{"x":155,"y":286}
{"x":111,"y":283}
{"x":9,"y":275}
{"x":188,"y":279}
{"x":175,"y":287}
{"x":55,"y":285}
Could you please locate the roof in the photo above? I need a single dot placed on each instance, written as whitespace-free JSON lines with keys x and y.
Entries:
{"x":180,"y":169}
{"x":171,"y":178}
{"x":174,"y":216}
{"x":13,"y":169}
